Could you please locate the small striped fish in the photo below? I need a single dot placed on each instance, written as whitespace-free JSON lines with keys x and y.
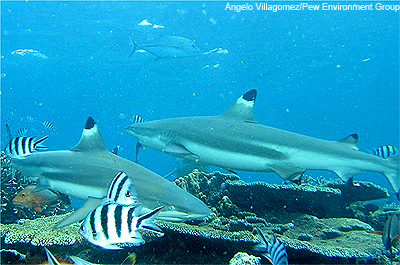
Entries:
{"x":122,"y":190}
{"x":386,"y":151}
{"x":116,"y":150}
{"x":49,"y":126}
{"x":274,"y":250}
{"x":137,"y":119}
{"x":21,"y":132}
{"x":113,"y":225}
{"x":21,"y":146}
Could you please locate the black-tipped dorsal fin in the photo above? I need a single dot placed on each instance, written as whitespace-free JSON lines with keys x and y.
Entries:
{"x":242,"y":109}
{"x":91,"y":140}
{"x":350,"y":140}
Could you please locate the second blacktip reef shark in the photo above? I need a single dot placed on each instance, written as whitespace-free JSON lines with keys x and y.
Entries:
{"x":86,"y":171}
{"x":235,"y":140}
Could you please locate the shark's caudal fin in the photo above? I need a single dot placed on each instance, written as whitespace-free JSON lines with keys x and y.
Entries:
{"x":242,"y":109}
{"x":91,"y":140}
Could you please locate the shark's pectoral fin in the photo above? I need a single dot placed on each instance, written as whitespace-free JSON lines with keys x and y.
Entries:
{"x":42,"y":184}
{"x":179,"y":151}
{"x":288,"y":172}
{"x":80,"y":214}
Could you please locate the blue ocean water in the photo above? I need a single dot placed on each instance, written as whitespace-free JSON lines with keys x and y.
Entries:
{"x":325,"y":74}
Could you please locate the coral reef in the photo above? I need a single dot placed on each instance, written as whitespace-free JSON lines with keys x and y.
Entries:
{"x":309,"y":199}
{"x":242,"y":258}
{"x":317,"y":235}
{"x":373,"y":212}
{"x":39,"y":232}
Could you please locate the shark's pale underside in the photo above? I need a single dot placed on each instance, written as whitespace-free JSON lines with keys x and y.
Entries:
{"x":86,"y":171}
{"x":234,"y":140}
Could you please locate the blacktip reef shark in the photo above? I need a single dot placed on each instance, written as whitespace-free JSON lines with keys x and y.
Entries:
{"x":235,"y":140}
{"x":86,"y":171}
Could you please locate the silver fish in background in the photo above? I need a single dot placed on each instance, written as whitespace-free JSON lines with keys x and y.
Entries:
{"x":113,"y":225}
{"x":273,"y":249}
{"x":168,"y":47}
{"x":21,"y":146}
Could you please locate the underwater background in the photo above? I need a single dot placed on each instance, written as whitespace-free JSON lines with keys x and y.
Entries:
{"x":325,"y":74}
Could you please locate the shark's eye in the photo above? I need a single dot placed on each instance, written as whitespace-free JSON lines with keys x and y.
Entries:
{"x":128,"y":194}
{"x":82,"y":228}
{"x":23,"y":195}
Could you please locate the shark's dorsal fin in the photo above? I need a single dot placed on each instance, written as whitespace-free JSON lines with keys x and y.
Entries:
{"x":350,"y":140}
{"x":91,"y":140}
{"x":242,"y":109}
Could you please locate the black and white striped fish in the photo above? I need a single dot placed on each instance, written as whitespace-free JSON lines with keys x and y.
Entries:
{"x":137,"y":119}
{"x":21,"y":132}
{"x":386,"y":151}
{"x":21,"y":146}
{"x":113,"y":225}
{"x":122,"y":190}
{"x":274,"y":250}
{"x":48,"y":125}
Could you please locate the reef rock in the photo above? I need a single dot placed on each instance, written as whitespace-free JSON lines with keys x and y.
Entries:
{"x":242,"y":258}
{"x":12,"y":181}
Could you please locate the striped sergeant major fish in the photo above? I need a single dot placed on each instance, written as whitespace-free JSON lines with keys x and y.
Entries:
{"x":48,"y":125}
{"x":122,"y":190}
{"x":137,"y":119}
{"x":385,"y":151}
{"x":21,"y":132}
{"x":112,"y":225}
{"x":22,"y":146}
{"x":273,"y":249}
